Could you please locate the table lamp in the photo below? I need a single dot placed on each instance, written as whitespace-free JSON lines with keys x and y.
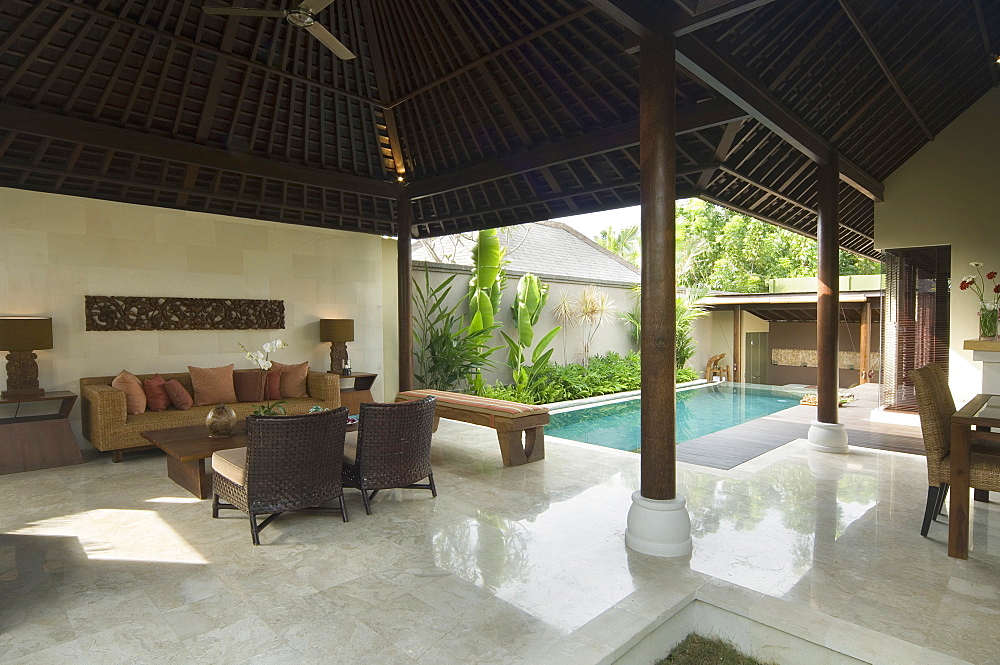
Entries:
{"x":338,"y":332}
{"x":21,"y":335}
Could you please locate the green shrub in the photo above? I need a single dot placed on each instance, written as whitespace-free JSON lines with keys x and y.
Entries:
{"x":611,"y":373}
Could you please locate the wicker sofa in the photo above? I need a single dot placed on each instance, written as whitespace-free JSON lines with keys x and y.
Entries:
{"x":109,"y":428}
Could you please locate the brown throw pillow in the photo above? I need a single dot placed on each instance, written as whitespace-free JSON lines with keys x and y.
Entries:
{"x":178,"y":394}
{"x":293,"y":379}
{"x":249,"y":384}
{"x":156,"y":393}
{"x":272,"y":386}
{"x":212,"y":385}
{"x":135,"y":397}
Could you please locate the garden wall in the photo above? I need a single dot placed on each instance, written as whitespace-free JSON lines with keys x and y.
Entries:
{"x":612,"y":335}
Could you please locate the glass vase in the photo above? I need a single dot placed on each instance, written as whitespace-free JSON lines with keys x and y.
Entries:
{"x":987,"y":320}
{"x":220,"y":421}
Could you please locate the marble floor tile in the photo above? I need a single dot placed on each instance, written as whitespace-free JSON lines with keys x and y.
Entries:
{"x":107,"y":563}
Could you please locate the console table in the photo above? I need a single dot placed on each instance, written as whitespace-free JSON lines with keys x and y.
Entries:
{"x":38,"y":440}
{"x":357,"y":391}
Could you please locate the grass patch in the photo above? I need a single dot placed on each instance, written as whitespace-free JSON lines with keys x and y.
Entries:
{"x":698,"y":650}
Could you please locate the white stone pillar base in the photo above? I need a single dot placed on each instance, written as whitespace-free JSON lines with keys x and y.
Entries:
{"x":661,"y":528}
{"x":828,"y":437}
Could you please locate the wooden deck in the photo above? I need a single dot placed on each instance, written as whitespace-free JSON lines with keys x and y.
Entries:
{"x":731,"y":447}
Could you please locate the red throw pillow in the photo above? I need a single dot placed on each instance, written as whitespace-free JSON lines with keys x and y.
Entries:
{"x":272,"y":386}
{"x":293,"y":379}
{"x":249,"y":384}
{"x":178,"y":394}
{"x":156,"y":393}
{"x":135,"y":397}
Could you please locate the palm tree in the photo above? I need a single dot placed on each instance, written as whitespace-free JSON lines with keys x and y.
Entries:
{"x":625,"y":242}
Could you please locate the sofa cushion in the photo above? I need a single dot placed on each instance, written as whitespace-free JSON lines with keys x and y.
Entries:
{"x":293,"y":379}
{"x":249,"y":384}
{"x":156,"y":393}
{"x":231,"y":463}
{"x":213,"y":385}
{"x":272,"y":386}
{"x":178,"y":394}
{"x":135,"y":396}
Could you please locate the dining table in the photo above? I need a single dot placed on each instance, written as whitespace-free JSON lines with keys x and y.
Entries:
{"x":983,"y":415}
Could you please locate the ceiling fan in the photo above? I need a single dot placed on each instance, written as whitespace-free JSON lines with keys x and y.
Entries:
{"x":301,"y":16}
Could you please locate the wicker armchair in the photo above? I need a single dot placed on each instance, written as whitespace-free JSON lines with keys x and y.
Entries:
{"x":936,"y":406}
{"x":290,"y":463}
{"x":391,"y":449}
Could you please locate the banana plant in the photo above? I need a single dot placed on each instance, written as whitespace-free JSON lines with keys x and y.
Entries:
{"x":528,"y":304}
{"x":487,"y":281}
{"x":526,"y":377}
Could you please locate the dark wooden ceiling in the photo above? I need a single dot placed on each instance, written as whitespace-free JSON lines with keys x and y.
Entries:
{"x":494,"y":112}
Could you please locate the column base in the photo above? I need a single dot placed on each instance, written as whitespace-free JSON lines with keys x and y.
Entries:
{"x":658,"y":527}
{"x":828,"y":437}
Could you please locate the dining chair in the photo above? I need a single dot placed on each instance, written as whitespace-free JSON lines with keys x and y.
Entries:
{"x":936,"y":406}
{"x":289,"y":463}
{"x":391,"y":449}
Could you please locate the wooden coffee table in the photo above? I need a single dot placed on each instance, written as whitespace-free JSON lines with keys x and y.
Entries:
{"x":187,"y":448}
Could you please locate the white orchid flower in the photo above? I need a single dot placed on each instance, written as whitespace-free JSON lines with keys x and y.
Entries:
{"x":278,"y":344}
{"x":265,"y":364}
{"x":269,"y":347}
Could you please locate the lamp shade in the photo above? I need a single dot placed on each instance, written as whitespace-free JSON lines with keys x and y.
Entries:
{"x":25,"y":333}
{"x":336,"y":330}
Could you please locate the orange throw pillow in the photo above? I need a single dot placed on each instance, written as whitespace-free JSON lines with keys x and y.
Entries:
{"x":135,"y":397}
{"x":293,"y":379}
{"x":249,"y":384}
{"x":213,"y":385}
{"x":178,"y":394}
{"x":156,"y":393}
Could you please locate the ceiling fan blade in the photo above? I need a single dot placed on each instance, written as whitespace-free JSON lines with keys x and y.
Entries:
{"x":331,"y":42}
{"x":315,"y":6}
{"x":236,"y":11}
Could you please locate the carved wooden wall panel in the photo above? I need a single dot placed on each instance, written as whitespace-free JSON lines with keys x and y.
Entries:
{"x":155,"y":313}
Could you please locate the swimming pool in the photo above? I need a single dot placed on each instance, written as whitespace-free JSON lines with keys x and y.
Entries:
{"x":700,"y":411}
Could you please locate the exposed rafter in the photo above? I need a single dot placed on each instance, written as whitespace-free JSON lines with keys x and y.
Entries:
{"x":623,"y":136}
{"x":991,"y":57}
{"x":749,"y":93}
{"x":19,"y":119}
{"x":884,"y":66}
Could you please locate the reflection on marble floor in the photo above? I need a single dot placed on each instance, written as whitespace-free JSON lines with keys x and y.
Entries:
{"x":108,"y":563}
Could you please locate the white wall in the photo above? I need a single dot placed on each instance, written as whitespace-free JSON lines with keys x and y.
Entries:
{"x":56,"y":249}
{"x":948,"y":193}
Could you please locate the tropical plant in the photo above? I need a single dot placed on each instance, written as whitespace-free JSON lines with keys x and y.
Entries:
{"x":446,"y":351}
{"x":625,"y":242}
{"x":485,"y":290}
{"x":590,"y":309}
{"x":688,"y":310}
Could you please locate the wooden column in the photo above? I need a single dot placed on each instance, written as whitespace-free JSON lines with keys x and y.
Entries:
{"x":404,"y":232}
{"x":658,"y":165}
{"x":865,"y":346}
{"x":737,"y":342}
{"x":828,"y":292}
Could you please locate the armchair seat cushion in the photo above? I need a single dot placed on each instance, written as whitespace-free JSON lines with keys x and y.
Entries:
{"x":351,"y":447}
{"x":231,"y":463}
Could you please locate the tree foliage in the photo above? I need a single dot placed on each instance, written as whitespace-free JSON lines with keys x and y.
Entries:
{"x":623,"y":242}
{"x":727,"y":251}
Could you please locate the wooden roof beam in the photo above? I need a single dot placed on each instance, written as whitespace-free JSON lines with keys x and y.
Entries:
{"x":705,"y":115}
{"x":752,"y":95}
{"x":991,"y":57}
{"x":64,"y":128}
{"x":870,"y":43}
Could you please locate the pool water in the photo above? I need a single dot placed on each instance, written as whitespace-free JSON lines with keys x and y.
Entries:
{"x":700,"y":411}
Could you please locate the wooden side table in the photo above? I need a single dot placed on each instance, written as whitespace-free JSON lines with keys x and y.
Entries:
{"x":359,"y":390}
{"x":38,"y":440}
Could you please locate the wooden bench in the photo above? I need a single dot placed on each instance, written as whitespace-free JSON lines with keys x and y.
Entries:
{"x":520,"y":427}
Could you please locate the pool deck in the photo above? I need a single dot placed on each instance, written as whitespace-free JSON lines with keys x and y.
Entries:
{"x":794,"y":550}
